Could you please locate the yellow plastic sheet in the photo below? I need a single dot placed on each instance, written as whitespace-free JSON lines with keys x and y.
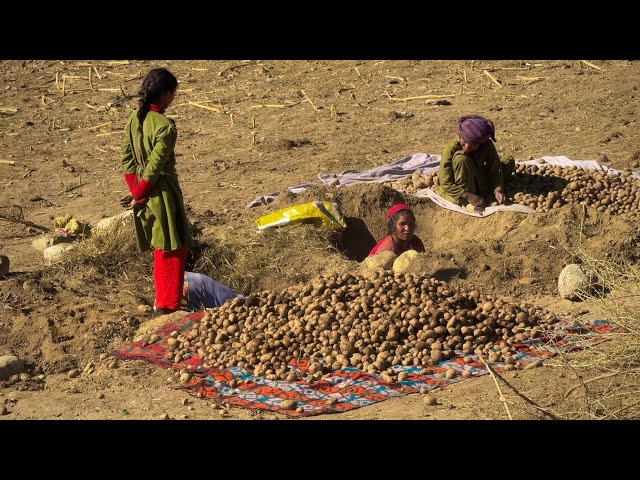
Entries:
{"x":322,"y":214}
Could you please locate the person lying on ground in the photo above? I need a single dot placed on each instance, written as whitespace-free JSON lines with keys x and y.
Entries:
{"x":201,"y":291}
{"x":400,"y":235}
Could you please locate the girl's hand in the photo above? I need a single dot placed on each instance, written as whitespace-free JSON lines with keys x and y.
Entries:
{"x":500,"y":197}
{"x":127,"y":202}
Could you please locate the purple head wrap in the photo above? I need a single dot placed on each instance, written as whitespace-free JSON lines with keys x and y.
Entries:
{"x":476,"y":129}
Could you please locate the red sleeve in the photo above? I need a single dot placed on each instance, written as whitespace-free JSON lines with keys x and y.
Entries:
{"x":143,"y":190}
{"x":384,"y":245}
{"x":131,"y":181}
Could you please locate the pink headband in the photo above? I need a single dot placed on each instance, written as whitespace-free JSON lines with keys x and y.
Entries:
{"x":396,"y":208}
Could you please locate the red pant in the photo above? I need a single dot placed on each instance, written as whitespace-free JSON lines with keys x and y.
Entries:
{"x":168,"y":274}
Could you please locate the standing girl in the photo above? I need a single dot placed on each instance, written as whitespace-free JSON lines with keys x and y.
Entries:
{"x":149,"y":166}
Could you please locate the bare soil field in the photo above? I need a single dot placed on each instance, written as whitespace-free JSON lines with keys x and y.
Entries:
{"x":250,"y":128}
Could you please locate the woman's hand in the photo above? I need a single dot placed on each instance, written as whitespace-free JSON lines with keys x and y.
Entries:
{"x":500,"y":197}
{"x":473,"y":199}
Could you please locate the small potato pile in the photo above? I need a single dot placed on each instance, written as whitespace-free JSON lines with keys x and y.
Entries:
{"x":545,"y":187}
{"x":416,"y":182}
{"x":369,"y":323}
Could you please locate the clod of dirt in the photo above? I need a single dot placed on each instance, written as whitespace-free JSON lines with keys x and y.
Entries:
{"x":404,"y":261}
{"x":4,"y":265}
{"x":287,"y":144}
{"x":438,"y":101}
{"x":145,"y":309}
{"x":534,"y":364}
{"x":288,"y":404}
{"x":428,"y":400}
{"x":379,"y":261}
{"x":10,"y":365}
{"x":393,"y":116}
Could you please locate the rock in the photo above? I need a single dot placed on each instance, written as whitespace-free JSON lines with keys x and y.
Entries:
{"x":41,"y":243}
{"x":3,"y":410}
{"x":100,"y":396}
{"x":164,"y":417}
{"x":575,"y":282}
{"x":379,"y":261}
{"x":54,"y":253}
{"x":73,"y":373}
{"x":4,"y":265}
{"x":288,"y":404}
{"x":535,"y":364}
{"x":145,"y":308}
{"x":10,"y":365}
{"x":404,"y":261}
{"x":110,"y":223}
{"x":45,"y":241}
{"x":29,"y":285}
{"x":428,"y":400}
{"x":57,"y":239}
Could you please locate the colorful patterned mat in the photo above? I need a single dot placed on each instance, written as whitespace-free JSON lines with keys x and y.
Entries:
{"x":347,"y":388}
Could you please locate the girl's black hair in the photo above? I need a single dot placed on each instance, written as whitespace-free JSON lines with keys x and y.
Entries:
{"x":391,"y":224}
{"x":154,"y":84}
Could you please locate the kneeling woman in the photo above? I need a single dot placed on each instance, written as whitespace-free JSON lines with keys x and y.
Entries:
{"x":400,"y":236}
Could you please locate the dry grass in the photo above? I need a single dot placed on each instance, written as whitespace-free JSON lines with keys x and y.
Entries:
{"x":617,"y":299}
{"x":109,"y":263}
{"x":273,"y":258}
{"x":608,"y":375}
{"x":110,"y":252}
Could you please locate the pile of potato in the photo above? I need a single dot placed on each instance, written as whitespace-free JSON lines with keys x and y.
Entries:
{"x":369,"y":323}
{"x":544,"y":187}
{"x":415,"y":182}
